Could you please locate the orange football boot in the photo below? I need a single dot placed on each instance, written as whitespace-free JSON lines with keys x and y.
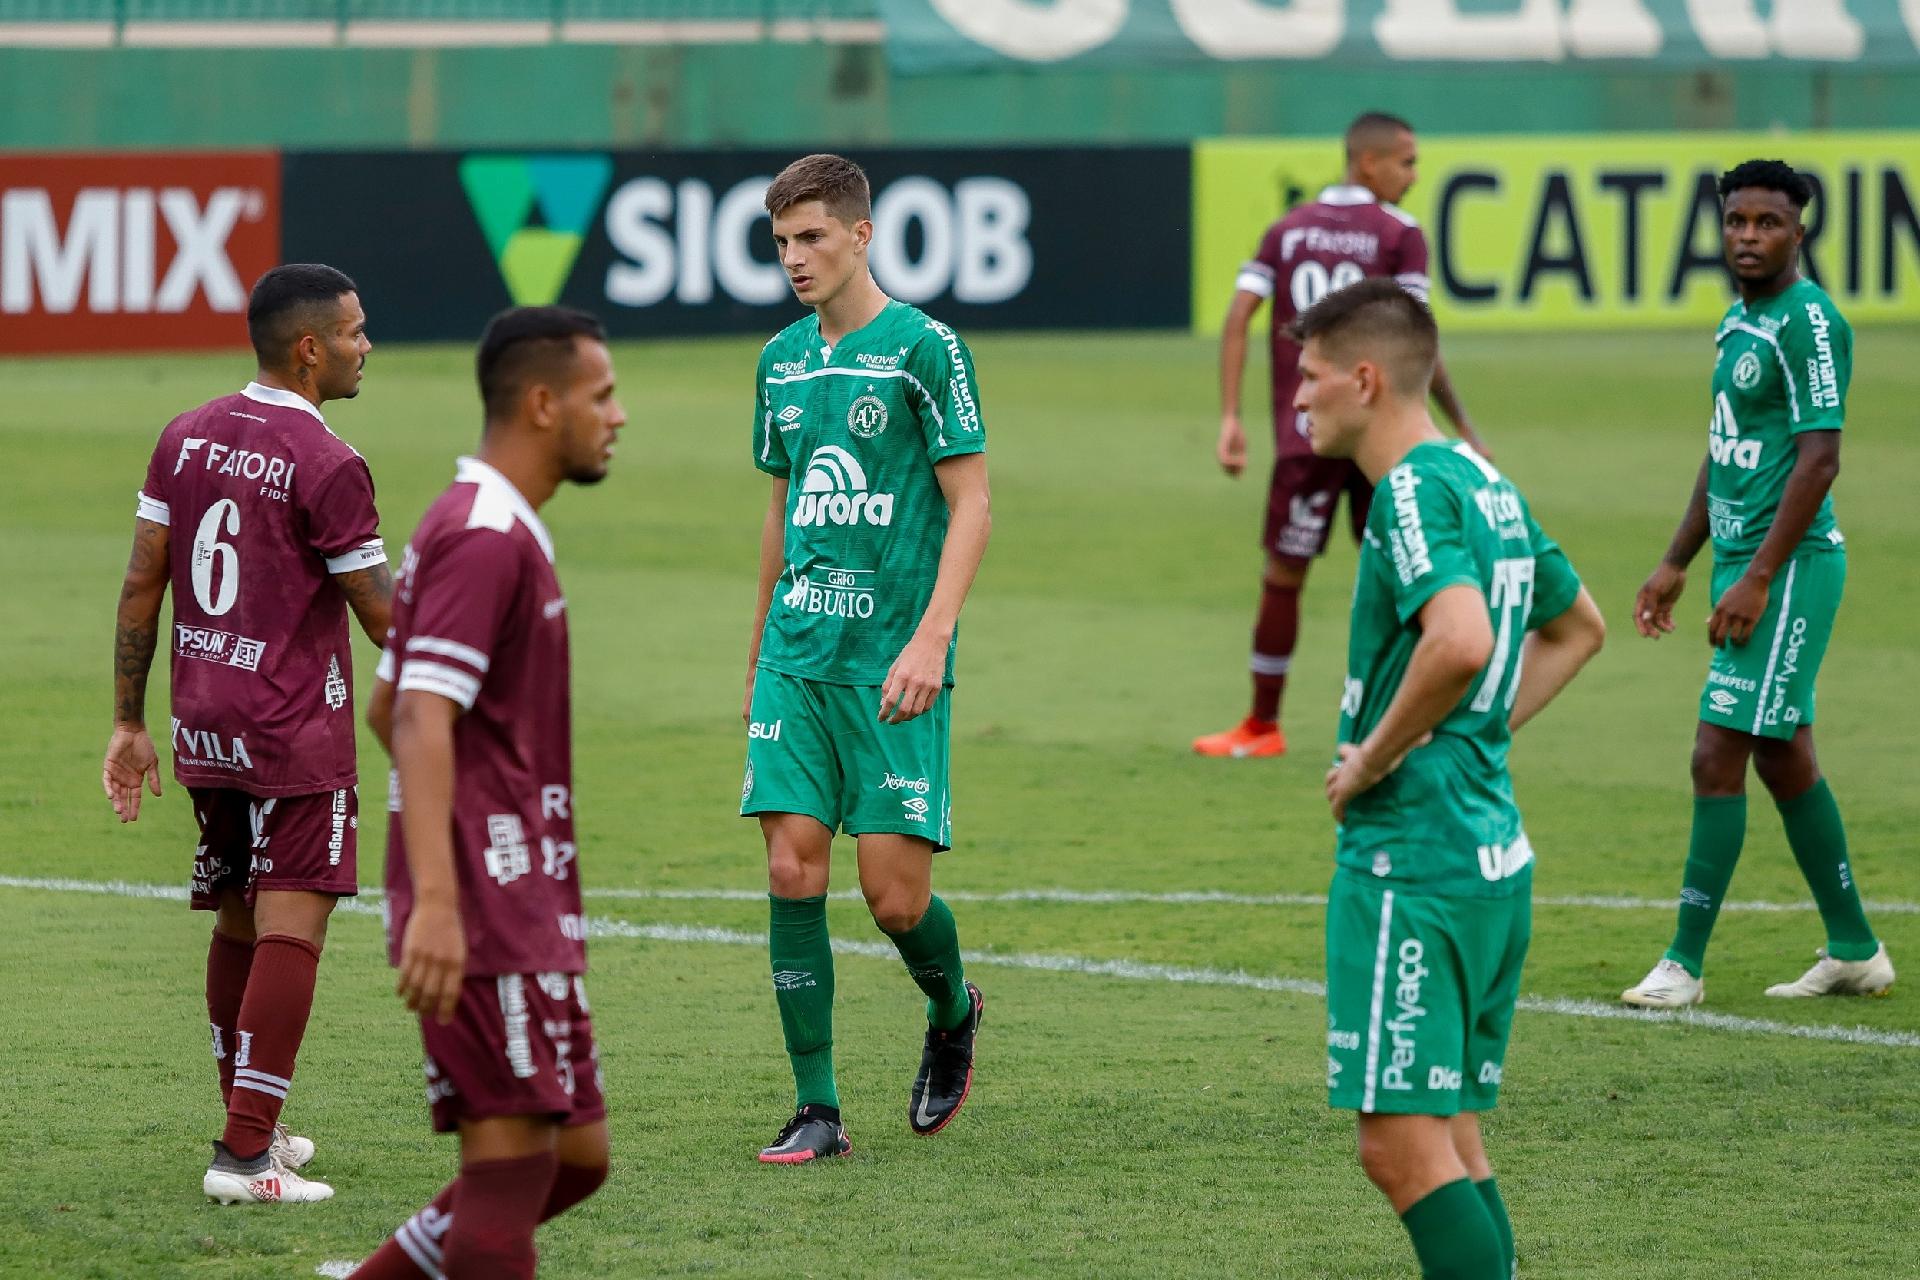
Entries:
{"x":1249,"y":739}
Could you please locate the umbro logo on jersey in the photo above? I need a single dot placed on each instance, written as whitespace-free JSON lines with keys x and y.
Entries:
{"x":790,"y":417}
{"x":834,"y":491}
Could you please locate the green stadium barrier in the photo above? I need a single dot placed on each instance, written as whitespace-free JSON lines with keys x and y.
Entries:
{"x":1584,"y":232}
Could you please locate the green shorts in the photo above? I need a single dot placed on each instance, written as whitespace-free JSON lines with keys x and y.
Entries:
{"x":1765,"y":686}
{"x":821,"y":749}
{"x":1420,"y":995}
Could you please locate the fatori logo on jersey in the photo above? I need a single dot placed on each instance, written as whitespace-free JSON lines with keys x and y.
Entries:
{"x":834,"y":491}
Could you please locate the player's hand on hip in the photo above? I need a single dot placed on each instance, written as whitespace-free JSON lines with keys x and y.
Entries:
{"x":130,"y":762}
{"x":914,"y":680}
{"x":1738,"y":612}
{"x":1232,"y":448}
{"x":1351,"y":774}
{"x":433,"y":961}
{"x":1355,"y":770}
{"x":1653,"y":606}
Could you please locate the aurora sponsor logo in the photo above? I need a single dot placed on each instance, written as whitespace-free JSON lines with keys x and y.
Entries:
{"x":1723,"y":438}
{"x":834,"y":491}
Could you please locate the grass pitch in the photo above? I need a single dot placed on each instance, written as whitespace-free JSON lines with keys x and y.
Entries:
{"x":1148,"y":1103}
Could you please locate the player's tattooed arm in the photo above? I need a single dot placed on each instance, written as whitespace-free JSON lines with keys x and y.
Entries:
{"x":136,"y":632}
{"x":369,"y":593}
{"x":131,"y":760}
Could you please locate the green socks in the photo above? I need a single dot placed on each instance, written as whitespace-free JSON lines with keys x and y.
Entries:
{"x":803,"y":988}
{"x":932,"y":952}
{"x":1819,"y":845}
{"x":1502,"y":1225}
{"x":1719,"y":829}
{"x":1453,"y":1236}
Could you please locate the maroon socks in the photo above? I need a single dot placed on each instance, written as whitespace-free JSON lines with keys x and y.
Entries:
{"x":228,"y":961}
{"x":1274,"y":632}
{"x":266,"y":1039}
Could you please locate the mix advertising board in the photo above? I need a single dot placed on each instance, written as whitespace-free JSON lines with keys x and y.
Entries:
{"x":106,"y":252}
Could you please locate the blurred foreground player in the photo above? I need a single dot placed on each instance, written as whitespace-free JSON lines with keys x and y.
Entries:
{"x":1779,"y":566}
{"x":483,"y":885}
{"x":1350,"y":232}
{"x":866,"y":417}
{"x":1467,"y":620}
{"x":277,"y":537}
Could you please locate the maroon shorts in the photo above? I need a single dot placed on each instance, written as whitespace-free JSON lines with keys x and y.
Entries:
{"x":518,"y":1045}
{"x":1300,"y":500}
{"x":294,"y":843}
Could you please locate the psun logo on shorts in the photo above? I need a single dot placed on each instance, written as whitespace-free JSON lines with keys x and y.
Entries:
{"x":834,"y":491}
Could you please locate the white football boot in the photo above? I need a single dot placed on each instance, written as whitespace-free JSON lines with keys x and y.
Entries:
{"x":1830,"y":977}
{"x":1667,"y":985}
{"x":264,"y":1181}
{"x":290,"y":1149}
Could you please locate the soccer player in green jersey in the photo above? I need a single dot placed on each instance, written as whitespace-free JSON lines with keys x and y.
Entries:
{"x":866,"y":416}
{"x":1467,"y":620}
{"x":1779,"y":564}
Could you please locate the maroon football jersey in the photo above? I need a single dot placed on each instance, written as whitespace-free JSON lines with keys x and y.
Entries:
{"x":479,"y":619}
{"x":1342,"y":236}
{"x":264,"y":505}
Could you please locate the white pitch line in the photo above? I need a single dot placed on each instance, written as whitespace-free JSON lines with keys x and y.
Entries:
{"x":1081,"y":897}
{"x":1130,"y":970}
{"x":1204,"y":897}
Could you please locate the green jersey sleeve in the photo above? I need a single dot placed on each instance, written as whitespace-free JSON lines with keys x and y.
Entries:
{"x":946,"y":396}
{"x":1816,"y":345}
{"x":1421,"y":528}
{"x":1555,"y":584}
{"x":769,"y":450}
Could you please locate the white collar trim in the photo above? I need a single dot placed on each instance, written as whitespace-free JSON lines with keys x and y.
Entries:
{"x":474,"y":471}
{"x":1346,"y":193}
{"x":284,"y":399}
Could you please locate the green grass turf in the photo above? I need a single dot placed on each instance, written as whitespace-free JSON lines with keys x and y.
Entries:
{"x":1119,"y":1127}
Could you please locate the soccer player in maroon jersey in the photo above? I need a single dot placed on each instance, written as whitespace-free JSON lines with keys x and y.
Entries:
{"x":277,"y":538}
{"x":483,"y":885}
{"x":1347,"y":233}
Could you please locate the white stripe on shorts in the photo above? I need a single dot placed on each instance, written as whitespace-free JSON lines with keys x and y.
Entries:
{"x":1773,"y":655}
{"x":1379,"y":1001}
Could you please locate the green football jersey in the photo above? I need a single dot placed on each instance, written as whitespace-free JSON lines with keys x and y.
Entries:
{"x":1445,"y":821}
{"x":1783,"y":368}
{"x":856,"y":430}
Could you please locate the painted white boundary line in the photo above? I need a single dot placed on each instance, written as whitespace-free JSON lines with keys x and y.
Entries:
{"x":1084,"y":897}
{"x":1205,"y":897}
{"x":1130,"y":970}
